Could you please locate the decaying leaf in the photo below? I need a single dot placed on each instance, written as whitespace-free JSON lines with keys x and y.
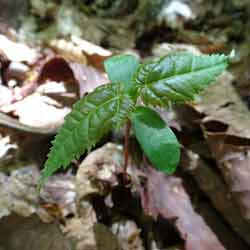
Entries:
{"x":101,"y":164}
{"x":165,"y":196}
{"x":16,"y":52}
{"x":128,"y":235}
{"x":88,"y":77}
{"x":6,"y":96}
{"x":68,"y":50}
{"x":213,"y":185}
{"x":18,"y":194}
{"x":81,"y":229}
{"x":95,"y":54}
{"x":8,"y":150}
{"x":225,"y":123}
{"x":42,"y":102}
{"x":160,"y":195}
{"x":40,"y":111}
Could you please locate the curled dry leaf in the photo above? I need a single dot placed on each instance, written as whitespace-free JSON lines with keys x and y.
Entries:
{"x":68,"y":50}
{"x":94,"y":172}
{"x":56,"y":69}
{"x":45,"y":100}
{"x":52,"y":68}
{"x":98,"y":171}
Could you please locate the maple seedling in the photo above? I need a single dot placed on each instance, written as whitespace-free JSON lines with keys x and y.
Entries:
{"x":175,"y":78}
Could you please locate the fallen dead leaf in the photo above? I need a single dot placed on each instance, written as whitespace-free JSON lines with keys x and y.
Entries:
{"x":17,"y":52}
{"x":88,"y":77}
{"x":225,"y":121}
{"x":39,"y":111}
{"x":81,"y":229}
{"x":68,"y":50}
{"x":160,"y":195}
{"x":212,"y":184}
{"x":95,"y":54}
{"x":165,"y":196}
{"x":128,"y":235}
{"x":56,"y":69}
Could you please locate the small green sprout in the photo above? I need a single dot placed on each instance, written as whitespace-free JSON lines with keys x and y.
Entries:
{"x":175,"y":78}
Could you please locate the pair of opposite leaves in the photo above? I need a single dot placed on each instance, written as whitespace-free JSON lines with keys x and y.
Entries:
{"x":175,"y":78}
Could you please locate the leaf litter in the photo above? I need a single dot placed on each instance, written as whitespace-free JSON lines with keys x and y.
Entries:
{"x":222,"y":120}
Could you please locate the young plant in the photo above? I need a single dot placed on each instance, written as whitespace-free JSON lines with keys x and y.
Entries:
{"x":175,"y":78}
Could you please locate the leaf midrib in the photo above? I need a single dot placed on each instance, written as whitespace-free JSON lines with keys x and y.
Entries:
{"x":180,"y":75}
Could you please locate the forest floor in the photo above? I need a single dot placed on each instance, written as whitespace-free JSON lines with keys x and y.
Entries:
{"x":52,"y":54}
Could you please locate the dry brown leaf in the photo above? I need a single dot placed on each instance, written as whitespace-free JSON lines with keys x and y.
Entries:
{"x":17,"y":71}
{"x":68,"y":50}
{"x":17,"y":52}
{"x":225,"y":121}
{"x":81,"y":229}
{"x":50,"y":68}
{"x":95,"y":54}
{"x":100,"y":165}
{"x":44,"y":101}
{"x":6,"y":96}
{"x":56,"y":69}
{"x":213,"y":185}
{"x":160,"y":195}
{"x":88,"y":77}
{"x":39,"y":111}
{"x":165,"y":196}
{"x":128,"y":235}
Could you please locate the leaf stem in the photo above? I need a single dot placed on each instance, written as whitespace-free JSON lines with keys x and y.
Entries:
{"x":126,"y":145}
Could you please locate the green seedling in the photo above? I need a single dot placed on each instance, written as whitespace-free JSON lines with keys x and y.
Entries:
{"x":175,"y":78}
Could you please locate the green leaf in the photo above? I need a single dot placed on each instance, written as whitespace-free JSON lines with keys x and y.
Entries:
{"x":156,"y":139}
{"x":121,"y":68}
{"x":177,"y":77}
{"x":90,"y":119}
